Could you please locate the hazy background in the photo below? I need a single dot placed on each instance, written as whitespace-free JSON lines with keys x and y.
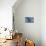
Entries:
{"x":29,"y":8}
{"x":37,"y":9}
{"x":6,"y":13}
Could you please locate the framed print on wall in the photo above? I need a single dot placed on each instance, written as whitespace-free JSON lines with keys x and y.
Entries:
{"x":29,"y":19}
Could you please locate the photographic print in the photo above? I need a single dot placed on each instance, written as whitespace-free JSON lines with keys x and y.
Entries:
{"x":29,"y":19}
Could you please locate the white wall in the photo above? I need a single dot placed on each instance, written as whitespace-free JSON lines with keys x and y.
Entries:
{"x":6,"y":13}
{"x":30,"y":30}
{"x":43,"y":22}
